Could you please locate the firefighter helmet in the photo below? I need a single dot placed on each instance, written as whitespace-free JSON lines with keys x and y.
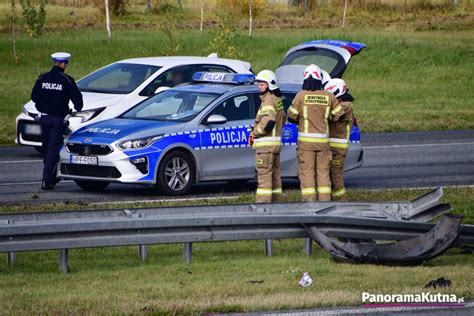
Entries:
{"x":269,"y":77}
{"x":336,"y":86}
{"x":313,"y":71}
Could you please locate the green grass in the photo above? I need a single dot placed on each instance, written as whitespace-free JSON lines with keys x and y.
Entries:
{"x":114,"y":281}
{"x":403,"y":81}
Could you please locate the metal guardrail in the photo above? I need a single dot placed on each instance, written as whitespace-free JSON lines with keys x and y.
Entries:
{"x":141,"y":227}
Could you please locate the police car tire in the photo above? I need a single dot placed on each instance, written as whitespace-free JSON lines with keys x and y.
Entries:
{"x":92,"y":185}
{"x":161,"y":182}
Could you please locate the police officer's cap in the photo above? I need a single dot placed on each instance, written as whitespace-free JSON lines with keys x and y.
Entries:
{"x":61,"y":57}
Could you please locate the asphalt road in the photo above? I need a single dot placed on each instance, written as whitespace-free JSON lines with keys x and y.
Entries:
{"x":391,"y":160}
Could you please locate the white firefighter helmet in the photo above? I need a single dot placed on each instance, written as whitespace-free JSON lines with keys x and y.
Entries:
{"x":313,"y":71}
{"x":326,"y":77}
{"x":336,"y":86}
{"x":269,"y":77}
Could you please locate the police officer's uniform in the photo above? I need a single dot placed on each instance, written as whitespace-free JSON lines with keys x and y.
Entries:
{"x":267,"y":142}
{"x":311,"y":110}
{"x":51,"y":94}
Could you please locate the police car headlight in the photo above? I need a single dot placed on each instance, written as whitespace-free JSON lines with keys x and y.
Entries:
{"x":137,"y":143}
{"x":87,"y":115}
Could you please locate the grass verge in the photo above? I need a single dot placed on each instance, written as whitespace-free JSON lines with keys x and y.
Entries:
{"x":403,"y":81}
{"x":223,"y":277}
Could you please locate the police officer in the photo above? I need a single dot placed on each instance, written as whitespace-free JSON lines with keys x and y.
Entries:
{"x":311,"y":109}
{"x":51,"y":94}
{"x":339,"y":133}
{"x":266,"y":138}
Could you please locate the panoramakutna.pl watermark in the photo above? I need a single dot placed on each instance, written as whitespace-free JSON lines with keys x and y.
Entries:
{"x":423,"y":299}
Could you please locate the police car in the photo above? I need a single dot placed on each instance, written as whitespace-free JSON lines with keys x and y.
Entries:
{"x":184,"y":135}
{"x":114,"y":88}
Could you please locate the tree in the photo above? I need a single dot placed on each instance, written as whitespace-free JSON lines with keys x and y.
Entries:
{"x":34,"y":18}
{"x":107,"y":20}
{"x":15,"y":56}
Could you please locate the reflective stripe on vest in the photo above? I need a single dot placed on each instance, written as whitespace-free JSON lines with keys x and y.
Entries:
{"x":336,"y":110}
{"x":305,"y":118}
{"x":293,"y":110}
{"x":266,"y":141}
{"x":313,"y":137}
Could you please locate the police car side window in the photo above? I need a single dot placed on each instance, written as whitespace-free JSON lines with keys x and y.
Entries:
{"x":170,"y":78}
{"x":235,"y":108}
{"x":213,"y":68}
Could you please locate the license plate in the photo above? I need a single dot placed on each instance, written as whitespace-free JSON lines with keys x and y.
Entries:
{"x":33,"y":129}
{"x":84,"y":160}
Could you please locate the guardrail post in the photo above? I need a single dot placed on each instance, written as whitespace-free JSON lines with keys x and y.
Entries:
{"x":187,"y":252}
{"x":143,"y":252}
{"x":308,"y":246}
{"x":63,"y":260}
{"x":11,"y":258}
{"x":268,"y":247}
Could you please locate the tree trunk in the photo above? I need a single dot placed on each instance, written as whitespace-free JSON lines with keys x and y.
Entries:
{"x":344,"y":15}
{"x":148,"y":6}
{"x":250,"y":18}
{"x":15,"y":56}
{"x":202,"y":14}
{"x":107,"y":19}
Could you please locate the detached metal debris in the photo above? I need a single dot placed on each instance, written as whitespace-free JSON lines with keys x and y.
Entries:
{"x":411,"y":251}
{"x":402,"y":227}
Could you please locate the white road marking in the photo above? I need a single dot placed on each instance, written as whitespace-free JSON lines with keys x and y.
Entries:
{"x":31,"y":182}
{"x":417,"y":145}
{"x":20,"y":161}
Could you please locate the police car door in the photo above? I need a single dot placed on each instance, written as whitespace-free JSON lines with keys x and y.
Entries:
{"x":225,"y":153}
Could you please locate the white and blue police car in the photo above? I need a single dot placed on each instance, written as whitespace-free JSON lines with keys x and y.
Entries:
{"x":184,"y":135}
{"x":113,"y":89}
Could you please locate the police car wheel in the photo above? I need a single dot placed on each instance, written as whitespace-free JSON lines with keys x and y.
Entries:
{"x":39,"y":149}
{"x":176,"y":173}
{"x":91,"y":185}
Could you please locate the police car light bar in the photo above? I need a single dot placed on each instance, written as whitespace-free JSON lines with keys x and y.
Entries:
{"x":223,"y":77}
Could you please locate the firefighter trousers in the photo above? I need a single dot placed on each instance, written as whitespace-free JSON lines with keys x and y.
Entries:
{"x":269,"y":179}
{"x":337,"y":174}
{"x":313,"y":172}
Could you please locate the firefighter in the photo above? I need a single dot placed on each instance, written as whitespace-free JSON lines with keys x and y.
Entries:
{"x":311,"y":110}
{"x":339,"y":132}
{"x":51,"y":94}
{"x":266,"y":138}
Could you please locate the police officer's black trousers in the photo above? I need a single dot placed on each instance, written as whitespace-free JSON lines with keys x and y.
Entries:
{"x":52,"y":131}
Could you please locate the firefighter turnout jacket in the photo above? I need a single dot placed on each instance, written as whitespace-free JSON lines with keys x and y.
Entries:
{"x":267,"y":143}
{"x":339,"y":133}
{"x":269,"y":123}
{"x":311,"y":110}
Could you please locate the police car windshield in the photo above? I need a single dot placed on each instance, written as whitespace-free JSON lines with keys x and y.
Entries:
{"x":119,"y":78}
{"x":171,"y":105}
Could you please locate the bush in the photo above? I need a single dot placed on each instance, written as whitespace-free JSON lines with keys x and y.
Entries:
{"x":34,"y":18}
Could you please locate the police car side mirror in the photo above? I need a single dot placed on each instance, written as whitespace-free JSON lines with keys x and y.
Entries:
{"x":161,"y":89}
{"x":215,"y":119}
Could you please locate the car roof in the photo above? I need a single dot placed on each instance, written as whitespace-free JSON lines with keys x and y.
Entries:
{"x":167,"y":61}
{"x":221,"y":88}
